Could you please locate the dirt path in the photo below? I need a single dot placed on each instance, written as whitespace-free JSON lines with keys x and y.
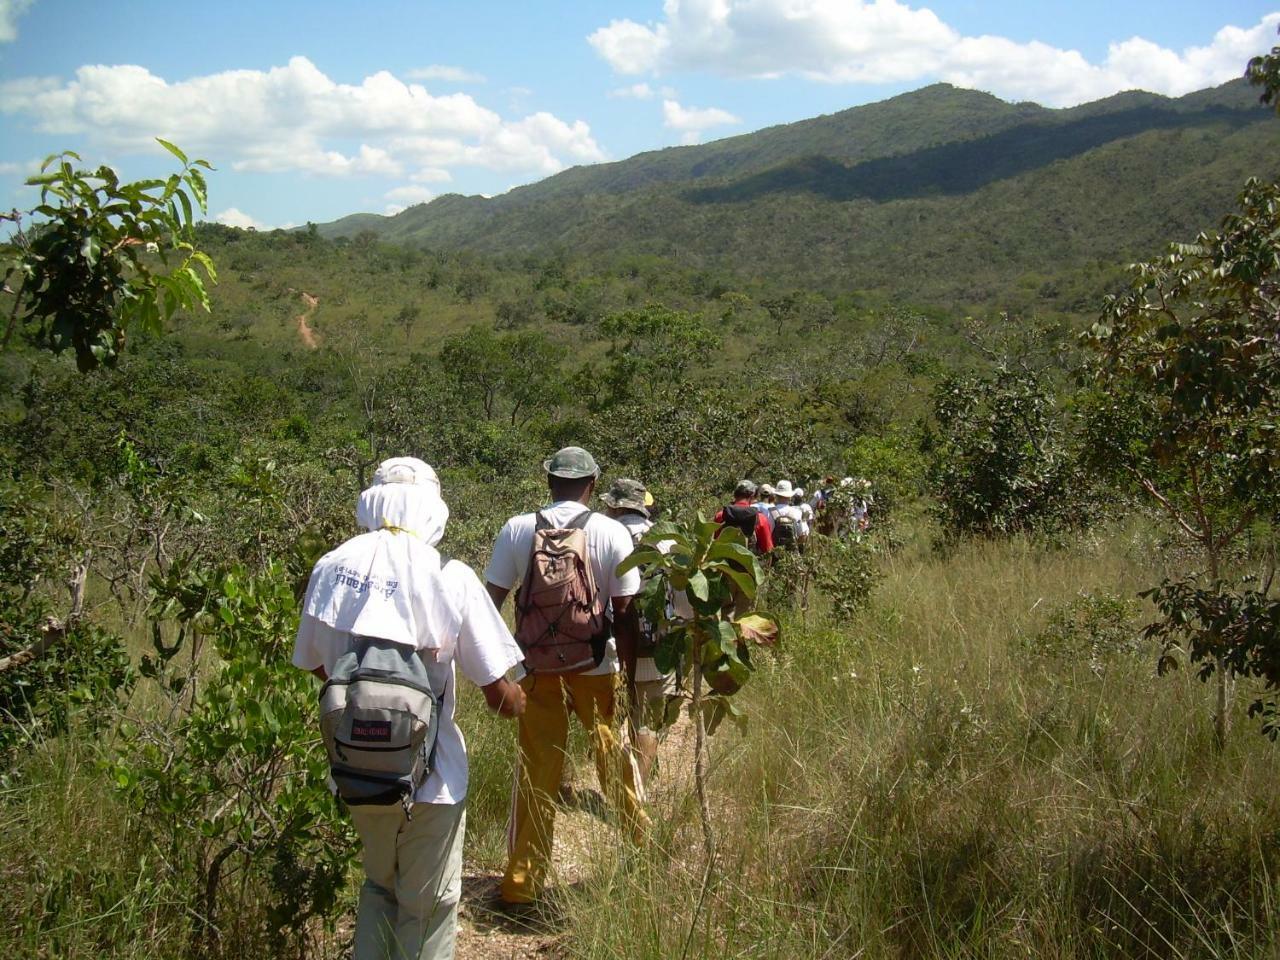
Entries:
{"x":484,"y":935}
{"x":304,"y":328}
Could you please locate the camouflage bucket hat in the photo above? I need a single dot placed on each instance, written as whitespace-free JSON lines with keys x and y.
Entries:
{"x":571,"y":463}
{"x":627,"y":494}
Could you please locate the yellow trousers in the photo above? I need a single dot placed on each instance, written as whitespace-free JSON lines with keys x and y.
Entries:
{"x":543,"y":733}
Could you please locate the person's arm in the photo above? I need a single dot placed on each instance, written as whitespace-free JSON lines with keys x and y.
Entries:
{"x":504,"y":697}
{"x":626,"y":631}
{"x":764,"y":534}
{"x":486,"y":650}
{"x":497,"y":594}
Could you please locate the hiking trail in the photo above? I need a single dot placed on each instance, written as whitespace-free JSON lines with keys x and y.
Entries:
{"x":486,"y":935}
{"x":305,"y":332}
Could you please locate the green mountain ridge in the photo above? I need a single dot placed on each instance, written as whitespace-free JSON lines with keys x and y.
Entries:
{"x":972,"y":192}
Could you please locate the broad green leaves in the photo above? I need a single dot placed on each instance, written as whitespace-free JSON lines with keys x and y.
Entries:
{"x":719,"y":577}
{"x":85,"y":271}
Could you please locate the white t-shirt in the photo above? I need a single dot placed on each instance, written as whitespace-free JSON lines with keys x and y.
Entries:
{"x":806,"y":518}
{"x":788,"y":510}
{"x":484,"y":648}
{"x":646,"y":669}
{"x":608,"y":544}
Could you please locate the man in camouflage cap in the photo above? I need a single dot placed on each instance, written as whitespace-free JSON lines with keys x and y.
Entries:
{"x":571,"y":463}
{"x":588,"y":690}
{"x":626,"y":495}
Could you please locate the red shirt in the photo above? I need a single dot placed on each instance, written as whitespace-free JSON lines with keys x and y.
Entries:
{"x":764,"y":534}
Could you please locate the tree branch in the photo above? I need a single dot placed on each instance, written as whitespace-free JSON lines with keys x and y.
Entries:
{"x":1164,"y":501}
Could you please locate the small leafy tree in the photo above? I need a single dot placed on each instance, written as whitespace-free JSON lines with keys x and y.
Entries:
{"x":720,"y":576}
{"x":1188,"y":377}
{"x":507,"y":375}
{"x":234,"y":763}
{"x":39,"y":694}
{"x":654,"y":347}
{"x":408,"y":317}
{"x":85,"y":271}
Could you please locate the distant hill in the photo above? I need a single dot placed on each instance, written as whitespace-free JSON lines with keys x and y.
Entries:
{"x":942,"y":195}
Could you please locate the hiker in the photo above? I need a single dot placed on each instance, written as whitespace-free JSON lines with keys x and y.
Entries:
{"x":806,"y":516}
{"x":787,"y":518}
{"x":824,"y":516}
{"x":744,"y":514}
{"x":764,"y":501}
{"x":632,"y":505}
{"x":571,"y":658}
{"x":856,"y":496}
{"x":389,"y":593}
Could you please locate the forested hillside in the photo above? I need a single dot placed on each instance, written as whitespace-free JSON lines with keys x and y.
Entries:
{"x":972,"y":199}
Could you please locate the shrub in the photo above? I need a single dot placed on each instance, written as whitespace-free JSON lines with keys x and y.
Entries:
{"x":1001,"y":463}
{"x":1093,"y":627}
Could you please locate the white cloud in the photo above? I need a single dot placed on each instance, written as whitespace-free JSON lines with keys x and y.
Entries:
{"x":630,"y":47}
{"x":438,"y":71}
{"x":410,"y":195}
{"x":234,"y":217}
{"x":430,"y":175}
{"x":694,"y":119}
{"x":10,"y":11}
{"x":294,"y":118}
{"x":22,"y":168}
{"x":637,"y":91}
{"x":889,"y":41}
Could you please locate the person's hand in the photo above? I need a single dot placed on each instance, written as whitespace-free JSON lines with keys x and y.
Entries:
{"x":505,"y":698}
{"x":515,"y":706}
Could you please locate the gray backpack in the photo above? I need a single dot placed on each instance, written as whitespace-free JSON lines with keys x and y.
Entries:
{"x":379,"y":718}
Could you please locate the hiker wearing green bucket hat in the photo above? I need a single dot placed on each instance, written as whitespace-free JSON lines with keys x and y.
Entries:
{"x":563,"y":562}
{"x":631,"y":504}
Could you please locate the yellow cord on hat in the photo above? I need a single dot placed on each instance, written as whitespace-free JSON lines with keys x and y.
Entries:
{"x":394,"y":529}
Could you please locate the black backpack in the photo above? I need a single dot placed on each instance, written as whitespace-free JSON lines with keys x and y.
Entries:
{"x":785,"y":532}
{"x":742,"y":517}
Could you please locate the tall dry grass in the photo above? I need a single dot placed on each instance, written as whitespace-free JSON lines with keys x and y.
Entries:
{"x":921,"y":782}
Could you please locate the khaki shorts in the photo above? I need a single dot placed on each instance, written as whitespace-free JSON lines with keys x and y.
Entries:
{"x":650,"y":706}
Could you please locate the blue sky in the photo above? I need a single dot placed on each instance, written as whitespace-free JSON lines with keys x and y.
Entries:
{"x":314,"y":110}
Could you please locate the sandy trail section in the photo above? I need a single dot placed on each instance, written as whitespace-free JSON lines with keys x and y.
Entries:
{"x":307,"y":335}
{"x":484,"y":935}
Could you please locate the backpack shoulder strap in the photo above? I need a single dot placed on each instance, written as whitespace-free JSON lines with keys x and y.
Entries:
{"x":580,"y":521}
{"x":541,"y":523}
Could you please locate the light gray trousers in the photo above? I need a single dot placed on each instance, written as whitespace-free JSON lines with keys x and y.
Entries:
{"x":413,"y":881}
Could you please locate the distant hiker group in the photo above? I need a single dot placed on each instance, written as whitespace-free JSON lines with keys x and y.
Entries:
{"x":780,"y":517}
{"x":387,"y":619}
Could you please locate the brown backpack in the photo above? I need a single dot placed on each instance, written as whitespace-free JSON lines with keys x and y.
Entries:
{"x":561,"y":625}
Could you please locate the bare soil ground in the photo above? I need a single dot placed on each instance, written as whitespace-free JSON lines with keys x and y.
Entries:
{"x":307,"y":335}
